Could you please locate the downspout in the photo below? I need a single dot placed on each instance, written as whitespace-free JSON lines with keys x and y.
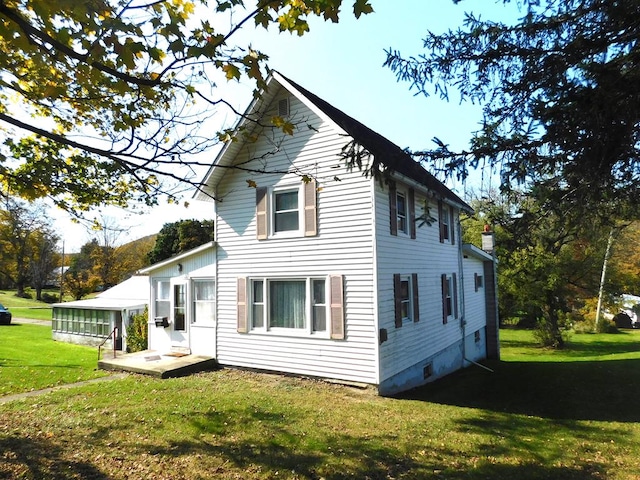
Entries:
{"x":461,"y":289}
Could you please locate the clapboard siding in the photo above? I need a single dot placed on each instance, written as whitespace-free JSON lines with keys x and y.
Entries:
{"x":344,"y":246}
{"x":429,"y":259}
{"x":475,"y":303}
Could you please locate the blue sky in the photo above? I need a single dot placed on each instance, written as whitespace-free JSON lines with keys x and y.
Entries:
{"x":342,"y":63}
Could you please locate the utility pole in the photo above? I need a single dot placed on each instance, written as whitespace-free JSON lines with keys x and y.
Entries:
{"x":607,"y":254}
{"x":61,"y":271}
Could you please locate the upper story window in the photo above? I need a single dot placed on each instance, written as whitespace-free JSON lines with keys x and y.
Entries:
{"x":402,"y":210}
{"x":286,"y":211}
{"x":446,"y":223}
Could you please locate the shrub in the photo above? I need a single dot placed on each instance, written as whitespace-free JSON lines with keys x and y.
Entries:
{"x":50,"y":297}
{"x":549,"y":335}
{"x":607,"y":326}
{"x":137,"y":332}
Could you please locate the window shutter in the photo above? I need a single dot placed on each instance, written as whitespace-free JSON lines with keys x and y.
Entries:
{"x":336,"y":303}
{"x":261,"y":213}
{"x":475,"y":281}
{"x":310,"y":209}
{"x":454,"y":296}
{"x":397,"y":299}
{"x":440,"y":223}
{"x":452,"y":226}
{"x":241,"y":297}
{"x":393,"y":208}
{"x":416,"y":306}
{"x":412,"y":213}
{"x":445,"y":288}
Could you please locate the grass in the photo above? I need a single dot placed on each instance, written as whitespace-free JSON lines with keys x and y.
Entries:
{"x":26,"y":307}
{"x":540,"y":415}
{"x":31,"y":360}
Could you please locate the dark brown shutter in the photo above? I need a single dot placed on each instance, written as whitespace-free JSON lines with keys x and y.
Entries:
{"x":445,"y":289}
{"x":452,"y":227}
{"x":416,"y":306}
{"x":393,"y":208}
{"x":310,"y":209}
{"x":454,"y":296}
{"x":397,"y":299}
{"x":475,"y":281}
{"x":261,"y":213}
{"x":440,"y":223}
{"x":241,"y":302}
{"x":336,"y":303}
{"x":412,"y":213}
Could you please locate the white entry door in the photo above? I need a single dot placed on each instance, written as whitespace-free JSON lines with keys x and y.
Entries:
{"x":180,"y":322}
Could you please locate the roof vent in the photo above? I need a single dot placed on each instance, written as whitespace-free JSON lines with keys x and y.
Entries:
{"x":283,"y":107}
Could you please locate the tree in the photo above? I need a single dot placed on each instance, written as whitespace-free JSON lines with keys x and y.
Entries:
{"x":180,"y":236}
{"x":103,"y":100}
{"x":559,"y":95}
{"x":44,"y":260}
{"x":22,"y":228}
{"x":106,"y":264}
{"x":549,"y":263}
{"x":80,"y":279}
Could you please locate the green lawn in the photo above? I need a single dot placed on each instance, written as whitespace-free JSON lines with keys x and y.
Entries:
{"x":25,"y":307}
{"x":539,"y":415}
{"x":30,"y":360}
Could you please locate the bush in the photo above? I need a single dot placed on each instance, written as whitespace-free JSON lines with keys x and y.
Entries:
{"x":607,"y":326}
{"x":549,"y":335}
{"x":137,"y":332}
{"x":50,"y":297}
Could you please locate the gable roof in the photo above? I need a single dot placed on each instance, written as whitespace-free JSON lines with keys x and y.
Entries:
{"x":176,"y":258}
{"x":392,"y":156}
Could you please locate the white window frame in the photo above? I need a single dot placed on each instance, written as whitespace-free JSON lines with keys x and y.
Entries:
{"x":408,"y":301}
{"x":196,"y":301}
{"x":307,"y":330}
{"x":446,"y":223}
{"x":272,"y":212}
{"x":404,"y":216}
{"x":449,"y":297}
{"x":156,"y":296}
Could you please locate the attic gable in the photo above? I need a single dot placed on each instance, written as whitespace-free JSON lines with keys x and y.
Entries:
{"x":384,"y":151}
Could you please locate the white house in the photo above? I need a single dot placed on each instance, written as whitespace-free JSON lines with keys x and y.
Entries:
{"x":318,"y":269}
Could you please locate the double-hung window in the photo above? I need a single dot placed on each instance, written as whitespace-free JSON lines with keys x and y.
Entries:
{"x":449,"y":297}
{"x":298,"y":306}
{"x":446,"y":223}
{"x":162,"y":292}
{"x":402,"y":210}
{"x":204,"y":297}
{"x":286,"y":211}
{"x":405,"y":291}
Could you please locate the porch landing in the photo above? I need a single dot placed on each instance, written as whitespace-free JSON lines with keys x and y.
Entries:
{"x":157,"y":364}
